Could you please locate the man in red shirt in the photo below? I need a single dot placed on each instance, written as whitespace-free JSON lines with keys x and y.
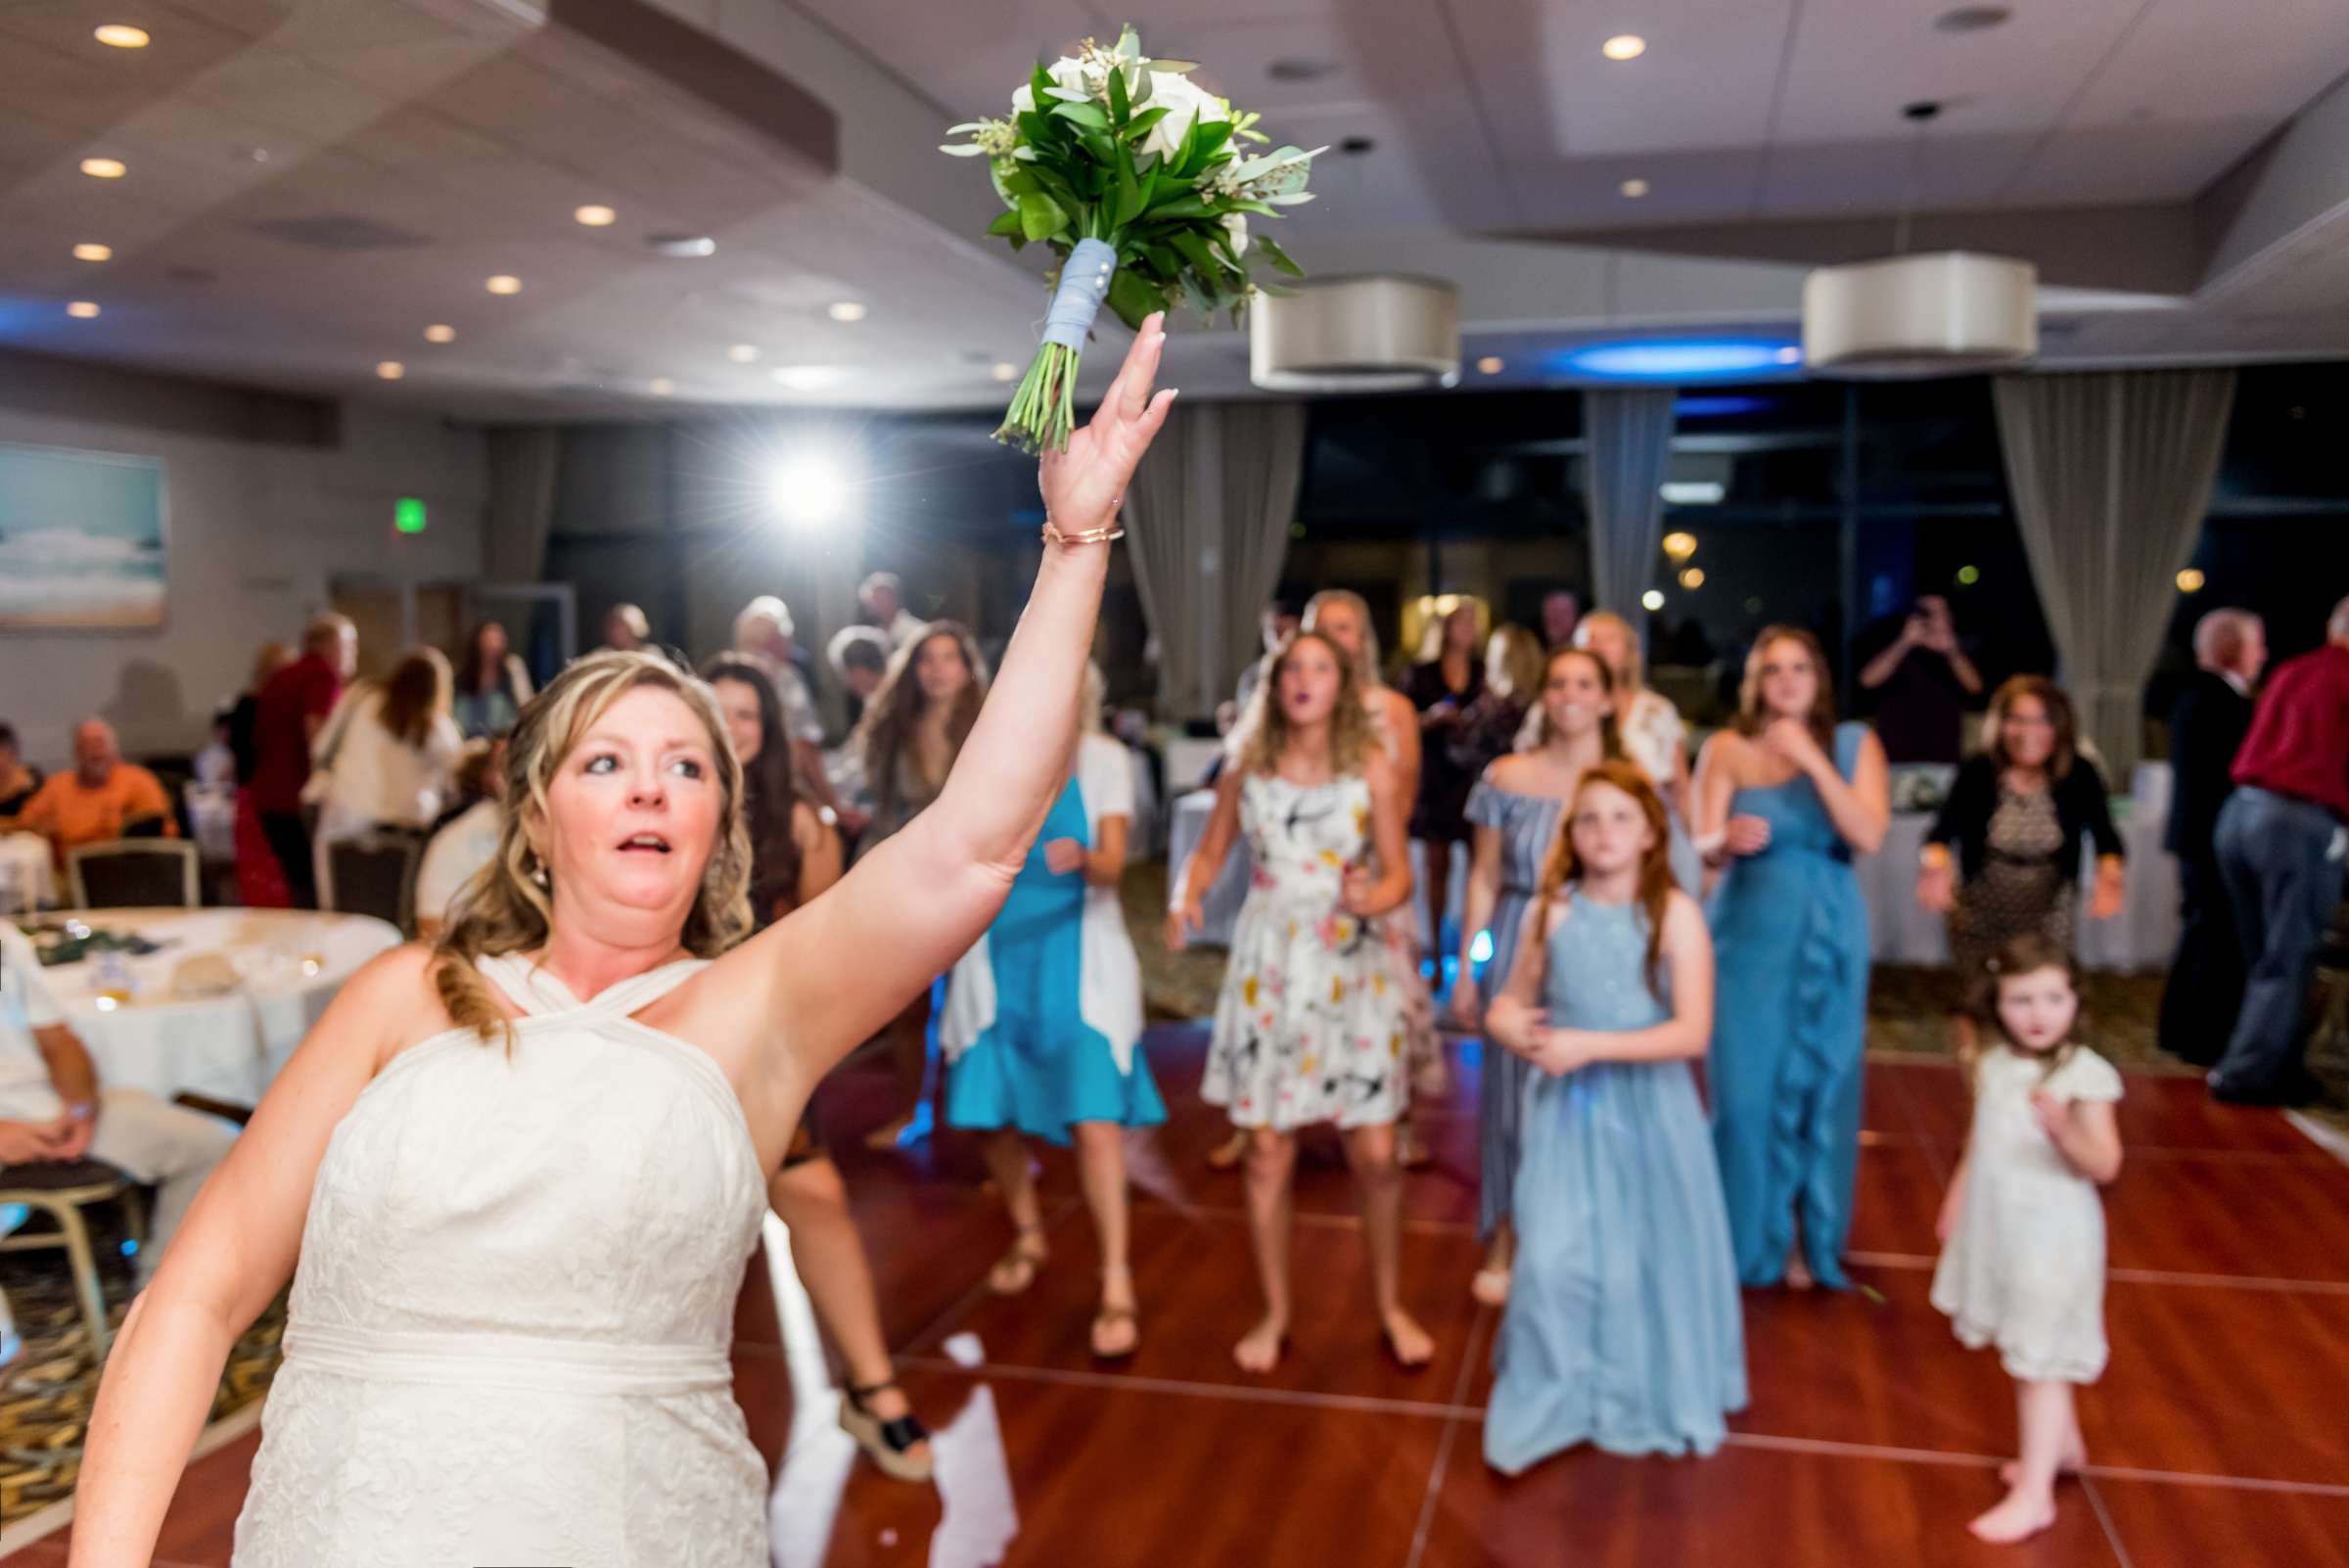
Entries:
{"x":288,"y":714}
{"x":2280,"y":841}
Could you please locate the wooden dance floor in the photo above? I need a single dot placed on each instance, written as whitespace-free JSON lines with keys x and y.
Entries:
{"x":2220,"y":1435}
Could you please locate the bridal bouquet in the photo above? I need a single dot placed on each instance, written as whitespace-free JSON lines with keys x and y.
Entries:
{"x":1135,"y":180}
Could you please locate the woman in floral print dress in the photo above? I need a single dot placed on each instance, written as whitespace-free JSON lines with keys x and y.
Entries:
{"x":1310,"y":1026}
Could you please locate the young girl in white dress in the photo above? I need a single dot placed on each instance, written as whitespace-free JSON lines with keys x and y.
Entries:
{"x":2022,"y":1230}
{"x":1310,"y":1026}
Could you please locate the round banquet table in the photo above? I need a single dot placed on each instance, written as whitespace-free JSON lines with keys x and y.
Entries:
{"x":228,"y":1046}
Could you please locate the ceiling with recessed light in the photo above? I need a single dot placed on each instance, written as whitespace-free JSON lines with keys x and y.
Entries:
{"x":307,"y":185}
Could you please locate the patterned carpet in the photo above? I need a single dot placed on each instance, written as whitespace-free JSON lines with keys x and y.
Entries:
{"x":46,"y":1393}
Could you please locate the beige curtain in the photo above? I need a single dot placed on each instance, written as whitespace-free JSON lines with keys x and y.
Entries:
{"x":2111,"y":473}
{"x":1211,"y":506}
{"x":522,"y":502}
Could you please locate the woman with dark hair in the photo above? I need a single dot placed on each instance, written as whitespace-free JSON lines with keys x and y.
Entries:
{"x":795,"y":856}
{"x":2016,"y":814}
{"x":492,"y":684}
{"x":389,"y":755}
{"x":1785,"y":798}
{"x":911,"y":734}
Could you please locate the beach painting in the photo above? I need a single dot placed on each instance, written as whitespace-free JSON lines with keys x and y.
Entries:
{"x":81,"y":540}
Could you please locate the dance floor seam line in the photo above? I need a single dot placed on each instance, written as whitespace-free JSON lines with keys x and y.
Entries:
{"x":1437,"y":1472}
{"x":2112,"y":1532}
{"x":1295,"y":1399}
{"x":1920,"y":1263}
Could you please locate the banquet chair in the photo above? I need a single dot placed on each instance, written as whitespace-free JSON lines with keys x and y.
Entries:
{"x":371,"y":875}
{"x":61,"y":1189}
{"x":134,"y":874}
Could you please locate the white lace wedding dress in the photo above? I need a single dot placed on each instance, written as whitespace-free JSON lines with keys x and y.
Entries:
{"x":509,"y":1329}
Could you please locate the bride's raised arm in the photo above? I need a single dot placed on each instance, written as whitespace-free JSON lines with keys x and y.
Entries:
{"x":846,"y":963}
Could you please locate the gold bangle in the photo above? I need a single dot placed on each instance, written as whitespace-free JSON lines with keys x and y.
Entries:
{"x":1100,"y":535}
{"x":1934,"y":857}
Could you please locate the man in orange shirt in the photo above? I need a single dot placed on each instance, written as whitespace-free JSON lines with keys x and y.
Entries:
{"x":101,"y":797}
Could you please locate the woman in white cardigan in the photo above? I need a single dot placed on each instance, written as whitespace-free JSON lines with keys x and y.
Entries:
{"x":387,"y":758}
{"x":1043,"y":1024}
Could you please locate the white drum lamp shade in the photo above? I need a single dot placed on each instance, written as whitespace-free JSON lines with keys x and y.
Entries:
{"x":1356,"y":334}
{"x":1941,"y":314}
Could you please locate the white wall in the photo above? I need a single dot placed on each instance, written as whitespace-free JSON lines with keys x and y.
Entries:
{"x":254,"y":527}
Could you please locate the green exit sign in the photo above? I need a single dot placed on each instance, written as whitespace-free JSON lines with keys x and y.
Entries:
{"x":407,"y":515}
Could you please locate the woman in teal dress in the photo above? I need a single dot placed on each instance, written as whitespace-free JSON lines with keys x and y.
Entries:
{"x":1043,"y":1023}
{"x":1624,"y":1326}
{"x":1785,"y":798}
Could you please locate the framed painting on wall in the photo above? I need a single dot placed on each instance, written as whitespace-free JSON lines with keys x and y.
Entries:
{"x":81,"y":540}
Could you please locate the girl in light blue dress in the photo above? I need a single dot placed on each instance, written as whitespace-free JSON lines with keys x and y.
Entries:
{"x":1624,"y":1326}
{"x":1043,"y":1024}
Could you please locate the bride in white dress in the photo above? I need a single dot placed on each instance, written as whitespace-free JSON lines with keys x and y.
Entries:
{"x":515,"y":1177}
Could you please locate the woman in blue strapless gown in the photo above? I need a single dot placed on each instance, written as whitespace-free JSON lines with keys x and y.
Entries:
{"x":1624,"y":1326}
{"x":1785,"y":798}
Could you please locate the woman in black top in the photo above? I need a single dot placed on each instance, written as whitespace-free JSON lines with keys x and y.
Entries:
{"x":1444,"y":689}
{"x":2018,"y":814}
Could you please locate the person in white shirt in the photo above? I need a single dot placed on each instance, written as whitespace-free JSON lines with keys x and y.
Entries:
{"x":387,"y":757}
{"x":883,"y":598}
{"x":466,"y":843}
{"x":53,"y":1109}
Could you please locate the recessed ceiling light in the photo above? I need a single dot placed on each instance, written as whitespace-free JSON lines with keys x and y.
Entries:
{"x":1297,"y":69}
{"x":1971,"y":19}
{"x":845,"y":310}
{"x":92,"y":252}
{"x":807,"y":378}
{"x":1623,"y":46}
{"x":743,"y":353}
{"x":662,"y":385}
{"x":1490,"y":365}
{"x":81,"y":311}
{"x":682,"y":245}
{"x":596,"y":216}
{"x":122,"y":36}
{"x":391,"y":370}
{"x":440,"y":332}
{"x":1635,"y":189}
{"x":105,"y":168}
{"x":1004,"y":370}
{"x":504,"y":283}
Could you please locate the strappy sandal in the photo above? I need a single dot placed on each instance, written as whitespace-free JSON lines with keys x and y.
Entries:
{"x":1110,"y":1317}
{"x":888,"y":1443}
{"x":1017,"y":1257}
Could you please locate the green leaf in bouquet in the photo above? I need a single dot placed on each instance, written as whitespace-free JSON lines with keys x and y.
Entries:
{"x":1139,"y":126}
{"x":1042,"y":217}
{"x":1067,"y":95}
{"x":1129,"y":45}
{"x":1102,"y":146}
{"x":1207,"y":141}
{"x":1163,"y":260}
{"x":1175,"y":68}
{"x":1039,"y":127}
{"x":1183,"y":205}
{"x":1279,"y":257}
{"x":1195,"y":250}
{"x":1142,"y":87}
{"x":1290,"y":197}
{"x":1132,"y":299}
{"x":1166,"y":188}
{"x":1118,"y":107}
{"x":1130,"y":190}
{"x":962,"y":148}
{"x":1258,"y":207}
{"x":1005,"y":225}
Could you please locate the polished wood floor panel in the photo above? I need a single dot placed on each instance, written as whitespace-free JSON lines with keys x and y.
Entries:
{"x":2216,"y":1432}
{"x":2169,"y":1526}
{"x":1750,"y":1508}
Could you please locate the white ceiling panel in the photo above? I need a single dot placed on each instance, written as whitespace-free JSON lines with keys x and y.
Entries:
{"x":2219,"y":61}
{"x":1943,"y":170}
{"x":2143,"y":161}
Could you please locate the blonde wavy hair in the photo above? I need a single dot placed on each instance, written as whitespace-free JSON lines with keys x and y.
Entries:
{"x":1521,"y":657}
{"x":1265,"y":731}
{"x":1367,"y":678}
{"x":1633,"y":675}
{"x":509,"y":905}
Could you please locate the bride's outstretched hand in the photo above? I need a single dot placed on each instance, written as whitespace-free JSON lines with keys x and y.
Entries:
{"x":1083,"y":485}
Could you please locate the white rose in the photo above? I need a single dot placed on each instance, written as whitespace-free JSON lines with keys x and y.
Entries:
{"x":1184,"y":103}
{"x":1063,"y":71}
{"x":1235,"y":224}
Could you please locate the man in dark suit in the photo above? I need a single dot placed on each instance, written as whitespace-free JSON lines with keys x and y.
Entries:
{"x":2205,"y":985}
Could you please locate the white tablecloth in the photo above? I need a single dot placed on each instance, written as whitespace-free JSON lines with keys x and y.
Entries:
{"x":227,"y":1046}
{"x":1222,"y":902}
{"x":28,"y":872}
{"x":2141,"y":936}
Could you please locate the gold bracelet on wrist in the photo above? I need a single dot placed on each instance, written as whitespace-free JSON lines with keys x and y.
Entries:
{"x":1934,"y":857}
{"x":1053,"y":535}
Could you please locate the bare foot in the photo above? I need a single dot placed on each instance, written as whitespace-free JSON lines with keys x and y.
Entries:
{"x":1224,"y":1156}
{"x":1259,"y":1350}
{"x":1491,"y":1286}
{"x":2020,"y":1516}
{"x":1016,"y":1268}
{"x":1798,"y":1271}
{"x":884,"y":1137}
{"x":1407,"y":1341}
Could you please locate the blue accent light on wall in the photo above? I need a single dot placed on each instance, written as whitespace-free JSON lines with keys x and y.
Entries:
{"x":1682,"y":358}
